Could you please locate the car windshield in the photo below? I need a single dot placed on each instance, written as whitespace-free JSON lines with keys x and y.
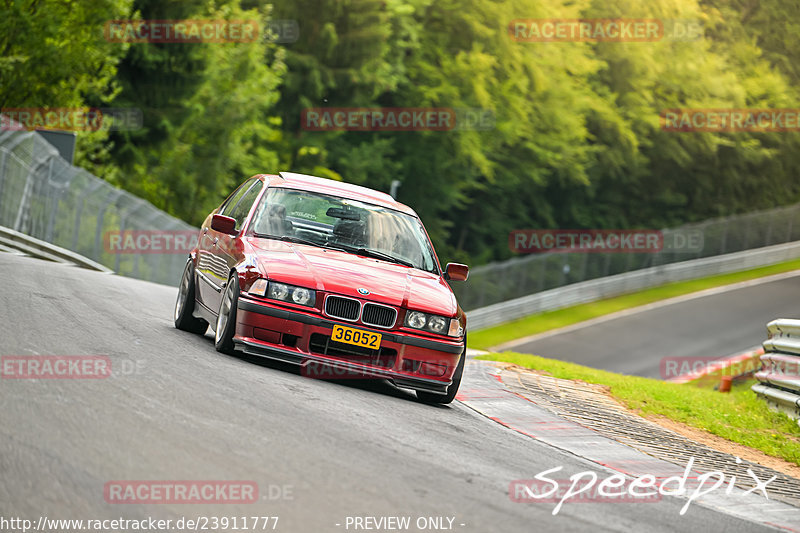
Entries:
{"x":332,"y":222}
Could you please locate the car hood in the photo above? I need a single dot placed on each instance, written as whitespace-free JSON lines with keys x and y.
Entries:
{"x":342,"y":273}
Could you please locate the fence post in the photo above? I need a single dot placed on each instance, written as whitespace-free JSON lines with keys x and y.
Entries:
{"x":607,"y":264}
{"x":79,"y":212}
{"x":768,"y":233}
{"x":123,"y":221}
{"x":98,"y":235}
{"x":584,"y":261}
{"x":724,"y":240}
{"x":24,"y":201}
{"x":3,"y":169}
{"x":56,"y":200}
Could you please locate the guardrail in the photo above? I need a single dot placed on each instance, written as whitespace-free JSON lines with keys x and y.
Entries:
{"x":45,"y":198}
{"x":779,"y":377}
{"x":45,"y":250}
{"x":598,"y":289}
{"x":528,"y":274}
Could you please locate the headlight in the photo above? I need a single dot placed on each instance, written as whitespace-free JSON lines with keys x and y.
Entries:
{"x":278,"y":291}
{"x":283,"y":292}
{"x":415,"y":319}
{"x":433,"y":323}
{"x":437,"y":324}
{"x":302,"y":296}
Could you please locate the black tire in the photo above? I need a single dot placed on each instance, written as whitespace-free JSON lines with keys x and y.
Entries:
{"x":226,"y":317}
{"x":184,"y":305}
{"x":452,"y":390}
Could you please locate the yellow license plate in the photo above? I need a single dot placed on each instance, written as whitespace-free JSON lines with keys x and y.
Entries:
{"x":357,"y":337}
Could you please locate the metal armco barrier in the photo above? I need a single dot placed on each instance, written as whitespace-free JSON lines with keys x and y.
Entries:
{"x":45,"y":250}
{"x":779,"y":377}
{"x":608,"y":287}
{"x":530,"y":274}
{"x":45,"y":198}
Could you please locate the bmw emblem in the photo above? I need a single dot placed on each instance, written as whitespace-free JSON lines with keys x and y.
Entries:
{"x":362,"y":291}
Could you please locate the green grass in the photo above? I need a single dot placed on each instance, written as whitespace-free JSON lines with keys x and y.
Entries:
{"x":738,"y":416}
{"x":541,"y":322}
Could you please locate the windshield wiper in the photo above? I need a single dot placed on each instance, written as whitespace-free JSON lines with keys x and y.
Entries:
{"x":288,"y":238}
{"x":380,"y":255}
{"x":298,"y":240}
{"x":361,"y":251}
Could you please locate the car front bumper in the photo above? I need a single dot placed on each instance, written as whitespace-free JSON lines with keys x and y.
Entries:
{"x":409,"y":361}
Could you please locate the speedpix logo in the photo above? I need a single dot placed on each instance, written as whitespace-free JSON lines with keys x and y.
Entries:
{"x":588,"y":487}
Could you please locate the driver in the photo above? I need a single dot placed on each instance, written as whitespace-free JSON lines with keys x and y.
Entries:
{"x":276,"y":221}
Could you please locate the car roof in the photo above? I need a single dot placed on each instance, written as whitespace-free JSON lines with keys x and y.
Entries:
{"x":341,"y":189}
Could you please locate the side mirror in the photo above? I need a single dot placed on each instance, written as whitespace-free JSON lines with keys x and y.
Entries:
{"x":456,"y":272}
{"x":223,"y":224}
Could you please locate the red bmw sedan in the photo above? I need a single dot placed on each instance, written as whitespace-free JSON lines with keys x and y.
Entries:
{"x":327,"y":275}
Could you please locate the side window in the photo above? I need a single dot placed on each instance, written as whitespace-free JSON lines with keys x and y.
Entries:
{"x":242,"y":208}
{"x":234,"y":198}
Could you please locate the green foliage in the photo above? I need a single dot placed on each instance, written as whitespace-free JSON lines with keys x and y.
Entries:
{"x":52,"y":52}
{"x":53,"y":55}
{"x":576,"y":142}
{"x":208,"y":112}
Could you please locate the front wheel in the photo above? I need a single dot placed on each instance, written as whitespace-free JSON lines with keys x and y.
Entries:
{"x":452,"y":390}
{"x":184,"y":305}
{"x":226,"y":318}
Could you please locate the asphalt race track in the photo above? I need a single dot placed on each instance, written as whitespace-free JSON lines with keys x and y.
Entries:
{"x":717,"y":325}
{"x":175,"y":409}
